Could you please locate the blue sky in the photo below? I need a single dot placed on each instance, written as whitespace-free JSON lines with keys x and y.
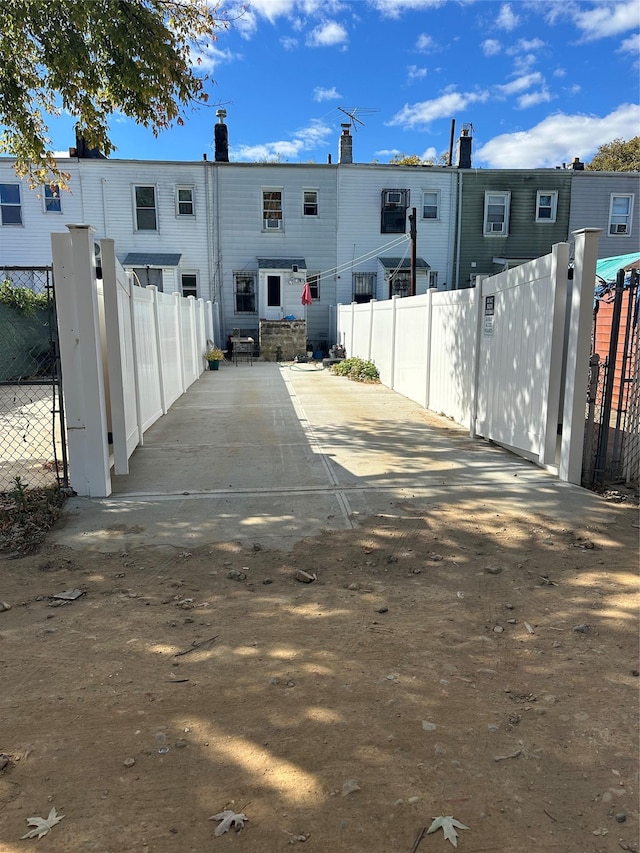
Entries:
{"x":540,"y":81}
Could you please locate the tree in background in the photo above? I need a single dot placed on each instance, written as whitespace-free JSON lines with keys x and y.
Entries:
{"x":617,"y":156}
{"x":415,"y":160}
{"x":94,"y":58}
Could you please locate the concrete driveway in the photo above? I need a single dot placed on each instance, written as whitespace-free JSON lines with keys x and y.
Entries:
{"x":271,"y":454}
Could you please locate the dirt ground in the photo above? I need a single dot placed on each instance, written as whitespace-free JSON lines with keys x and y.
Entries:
{"x":466,"y":663}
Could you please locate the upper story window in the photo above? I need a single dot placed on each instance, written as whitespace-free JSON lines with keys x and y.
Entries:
{"x":310,"y":202}
{"x":189,"y":284}
{"x":10,"y":204}
{"x":146,"y":214}
{"x":272,"y":210}
{"x":620,"y":212}
{"x":363,"y":286}
{"x":496,"y":214}
{"x":431,"y":204}
{"x":546,"y":206}
{"x":51,"y":199}
{"x":394,"y":211}
{"x":244,"y":284}
{"x":185,"y":205}
{"x":313,"y":280}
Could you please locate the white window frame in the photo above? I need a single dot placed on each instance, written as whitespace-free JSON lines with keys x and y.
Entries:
{"x":134,"y":187}
{"x":51,"y":199}
{"x":437,"y":195}
{"x":614,"y":226}
{"x":11,"y":204}
{"x":272,"y":218}
{"x":310,"y":204}
{"x":433,"y":279}
{"x":552,"y":206}
{"x":487,"y":229}
{"x":194,"y":274}
{"x":244,"y":274}
{"x":192,"y":202}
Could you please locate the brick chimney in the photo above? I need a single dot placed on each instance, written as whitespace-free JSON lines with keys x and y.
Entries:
{"x":463,"y":148}
{"x":345,"y":155}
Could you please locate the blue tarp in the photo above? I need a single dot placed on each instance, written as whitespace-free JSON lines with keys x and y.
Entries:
{"x":607,"y":268}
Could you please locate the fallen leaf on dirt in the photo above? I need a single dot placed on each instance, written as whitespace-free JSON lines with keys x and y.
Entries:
{"x":448,"y":825}
{"x":42,"y":825}
{"x":229,"y":818}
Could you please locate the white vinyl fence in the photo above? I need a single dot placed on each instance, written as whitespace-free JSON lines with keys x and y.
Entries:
{"x":127,"y":354}
{"x":508,"y":358}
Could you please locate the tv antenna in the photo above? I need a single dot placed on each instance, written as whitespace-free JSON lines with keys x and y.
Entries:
{"x":354,"y":121}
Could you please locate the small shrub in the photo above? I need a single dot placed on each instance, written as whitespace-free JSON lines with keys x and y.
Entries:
{"x":26,"y":516}
{"x":357,"y":369}
{"x":21,"y":298}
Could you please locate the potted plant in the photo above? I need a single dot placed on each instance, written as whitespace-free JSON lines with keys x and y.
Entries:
{"x":214,"y":356}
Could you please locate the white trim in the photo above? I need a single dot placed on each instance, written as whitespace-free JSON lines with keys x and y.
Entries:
{"x":192,"y":189}
{"x":554,"y":205}
{"x":57,"y":198}
{"x":612,"y":227}
{"x":280,"y":222}
{"x":504,"y":230}
{"x":435,"y":218}
{"x":137,"y":230}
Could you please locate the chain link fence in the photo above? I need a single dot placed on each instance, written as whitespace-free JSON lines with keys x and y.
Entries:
{"x":32,"y":433}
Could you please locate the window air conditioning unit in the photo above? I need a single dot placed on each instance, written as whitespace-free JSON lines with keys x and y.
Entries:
{"x":497,"y":227}
{"x":272,"y":223}
{"x":393,"y":197}
{"x":618,"y":229}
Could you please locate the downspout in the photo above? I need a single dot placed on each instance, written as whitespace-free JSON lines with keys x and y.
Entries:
{"x":207,"y":192}
{"x":105,"y":209}
{"x":459,"y":225}
{"x":218,"y":251}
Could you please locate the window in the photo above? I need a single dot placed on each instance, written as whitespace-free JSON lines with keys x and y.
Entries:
{"x":51,"y":198}
{"x":431,"y":204}
{"x":184,"y":201}
{"x":433,"y":278}
{"x":400,"y":284}
{"x":496,"y":214}
{"x":245,"y":292}
{"x":394,"y":211}
{"x":363,"y":286}
{"x":313,"y":280}
{"x":10,"y":206}
{"x":546,"y":206}
{"x":189,"y":282}
{"x":145,"y":199}
{"x":620,"y":213}
{"x":310,"y":203}
{"x":272,"y":210}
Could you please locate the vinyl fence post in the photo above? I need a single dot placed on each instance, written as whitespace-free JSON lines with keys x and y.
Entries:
{"x":82,"y":363}
{"x":578,"y":347}
{"x":552,"y":399}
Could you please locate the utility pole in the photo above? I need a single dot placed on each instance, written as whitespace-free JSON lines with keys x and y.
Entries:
{"x":413,"y":235}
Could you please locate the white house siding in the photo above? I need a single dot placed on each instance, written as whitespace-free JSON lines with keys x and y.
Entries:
{"x":29,"y":244}
{"x":241,"y":240}
{"x":107,"y":189}
{"x":590,"y":204}
{"x":359,"y":207}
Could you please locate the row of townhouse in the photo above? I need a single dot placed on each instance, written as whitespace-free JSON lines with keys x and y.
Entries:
{"x":248,"y":235}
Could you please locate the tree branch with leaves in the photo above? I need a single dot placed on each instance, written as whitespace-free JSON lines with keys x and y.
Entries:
{"x":92,"y":59}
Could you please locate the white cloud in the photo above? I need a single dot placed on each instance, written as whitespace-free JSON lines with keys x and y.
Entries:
{"x":306,"y":139}
{"x":557,"y":139}
{"x":272,"y":9}
{"x":289,"y":43}
{"x":532,"y":99}
{"x":327,"y":34}
{"x":415,"y":73}
{"x":522,"y":64}
{"x":560,"y":72}
{"x":524,"y":45}
{"x":608,"y":19}
{"x":491,"y":47}
{"x":429,"y":154}
{"x":423,"y":113}
{"x":321,"y":94}
{"x":395,"y":8}
{"x":507,"y":19}
{"x":521,"y":84}
{"x":631,"y":44}
{"x":207,"y":57}
{"x":424,"y":42}
{"x":387,"y":152}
